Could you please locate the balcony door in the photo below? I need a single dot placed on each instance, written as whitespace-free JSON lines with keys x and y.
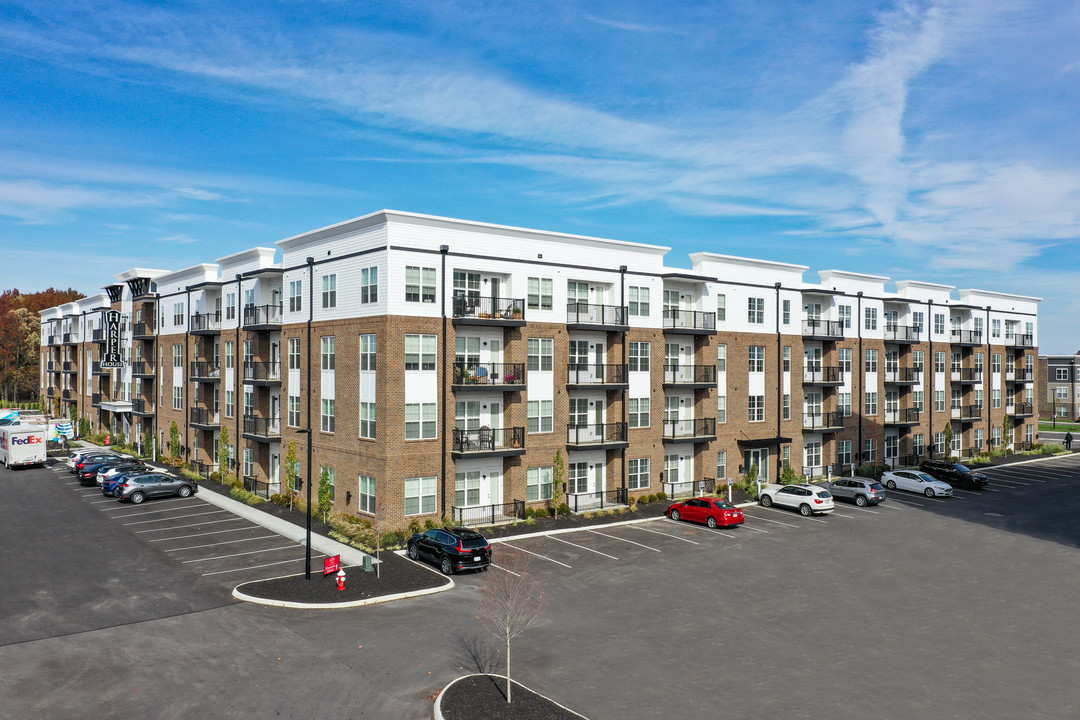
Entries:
{"x":759,"y":457}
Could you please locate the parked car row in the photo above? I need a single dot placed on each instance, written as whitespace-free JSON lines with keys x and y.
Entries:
{"x":126,"y":478}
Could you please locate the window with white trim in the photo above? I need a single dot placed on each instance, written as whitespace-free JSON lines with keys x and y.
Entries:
{"x":721,"y":358}
{"x":638,"y":413}
{"x":367,"y":494}
{"x":639,"y":356}
{"x":420,"y":351}
{"x":757,"y":358}
{"x":843,"y":452}
{"x":329,"y":291}
{"x":843,"y":312}
{"x":539,"y":295}
{"x":329,"y":353}
{"x":419,"y":284}
{"x":294,"y":353}
{"x":638,"y":300}
{"x":296,"y":295}
{"x":294,"y":410}
{"x":367,"y":420}
{"x":721,"y":465}
{"x":541,"y":354}
{"x":369,"y":285}
{"x":755,"y":311}
{"x":420,"y":421}
{"x":756,"y":408}
{"x":328,"y":421}
{"x":721,"y":409}
{"x":538,"y":483}
{"x":367,"y":351}
{"x":420,"y":495}
{"x":871,"y":404}
{"x":637,"y":473}
{"x":721,"y":307}
{"x":539,"y":416}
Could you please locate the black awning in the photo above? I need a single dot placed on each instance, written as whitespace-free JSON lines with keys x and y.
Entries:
{"x":762,"y":442}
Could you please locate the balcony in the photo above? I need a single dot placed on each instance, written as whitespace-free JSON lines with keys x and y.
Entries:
{"x":822,"y":375}
{"x":506,"y":377}
{"x":262,"y":317}
{"x":143,"y":331}
{"x":52,"y":339}
{"x":823,"y":421}
{"x":586,"y":316}
{"x":967,"y":413}
{"x":72,"y":367}
{"x":262,"y":373}
{"x":493,"y":311}
{"x":68,"y":396}
{"x":598,"y":500}
{"x":1018,"y":340}
{"x":966,"y":376}
{"x":598,"y":375}
{"x":50,"y":393}
{"x":52,"y":366}
{"x":203,"y":371}
{"x":1022,"y":409}
{"x":205,"y":323}
{"x":70,"y":338}
{"x":142,"y":407}
{"x":902,"y":416}
{"x":488,"y":442}
{"x":97,"y":336}
{"x":142,"y":369}
{"x":696,"y":430}
{"x":205,"y":418}
{"x":966,"y":338}
{"x":599,"y":436}
{"x":203,"y":470}
{"x":262,"y":429}
{"x":689,"y":322}
{"x":901,"y":334}
{"x":690,"y":376}
{"x":489,"y":514}
{"x":901,"y":376}
{"x":815,"y":329}
{"x":96,"y":369}
{"x":1021,"y":375}
{"x":95,"y":400}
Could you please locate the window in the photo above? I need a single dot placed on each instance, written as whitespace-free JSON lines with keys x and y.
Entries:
{"x":539,"y":296}
{"x":785,"y":456}
{"x":845,"y":403}
{"x":467,"y":488}
{"x":330,"y":480}
{"x":294,"y":411}
{"x":369,"y":285}
{"x":329,"y":291}
{"x":871,"y":360}
{"x":995,"y":328}
{"x":230,"y":306}
{"x":755,"y":311}
{"x":249,"y":351}
{"x":843,"y":452}
{"x":177,"y":398}
{"x":995,"y":436}
{"x":844,"y":313}
{"x":538,"y":483}
{"x":995,"y":362}
{"x":869,"y":449}
{"x":638,"y":473}
{"x":419,"y":495}
{"x":721,"y":465}
{"x":420,"y":352}
{"x":294,"y":353}
{"x":1061,"y":393}
{"x":917,"y":359}
{"x":757,"y":408}
{"x":367,"y":494}
{"x":1010,"y":330}
{"x":995,"y":398}
{"x":540,"y":416}
{"x":870,"y":406}
{"x":230,"y":403}
{"x":178,"y":313}
{"x":1061,"y":374}
{"x":249,"y":300}
{"x":329,"y":354}
{"x":296,"y":295}
{"x":721,"y":358}
{"x":939,"y":362}
{"x":639,"y":356}
{"x":870,"y":318}
{"x":721,"y":307}
{"x":178,"y":356}
{"x":787,"y":406}
{"x":917,"y":320}
{"x":844,"y":355}
{"x":892,"y":446}
{"x":939,"y":401}
{"x":1029,"y":432}
{"x":639,"y":300}
{"x":787,"y":358}
{"x":757,"y":358}
{"x":939,"y":324}
{"x":367,"y":352}
{"x":541,"y":354}
{"x":639,"y":412}
{"x":419,"y":284}
{"x":367,"y":420}
{"x":419,"y":421}
{"x":721,"y":409}
{"x":786,"y":312}
{"x":917,"y":399}
{"x":812,"y":454}
{"x":328,"y":415}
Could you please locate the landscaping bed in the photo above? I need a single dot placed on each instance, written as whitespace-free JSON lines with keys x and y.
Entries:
{"x":483,"y":697}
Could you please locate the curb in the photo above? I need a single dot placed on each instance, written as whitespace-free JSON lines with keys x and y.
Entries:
{"x":438,"y":699}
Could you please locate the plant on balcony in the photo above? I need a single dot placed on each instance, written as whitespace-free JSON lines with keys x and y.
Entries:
{"x":510,"y":378}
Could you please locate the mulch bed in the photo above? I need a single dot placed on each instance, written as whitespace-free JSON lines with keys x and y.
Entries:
{"x":483,"y":697}
{"x":396,"y":575}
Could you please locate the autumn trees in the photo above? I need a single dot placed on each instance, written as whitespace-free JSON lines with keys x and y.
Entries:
{"x":20,"y":340}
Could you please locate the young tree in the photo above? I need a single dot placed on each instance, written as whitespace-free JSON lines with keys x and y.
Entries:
{"x":558,"y":476}
{"x":174,"y":441}
{"x":511,"y":601}
{"x":290,"y":472}
{"x":325,"y":498}
{"x":1007,"y":431}
{"x":948,"y":431}
{"x":223,"y":452}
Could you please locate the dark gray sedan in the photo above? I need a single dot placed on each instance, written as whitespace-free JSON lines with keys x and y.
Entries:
{"x":137,"y":488}
{"x":862,"y":491}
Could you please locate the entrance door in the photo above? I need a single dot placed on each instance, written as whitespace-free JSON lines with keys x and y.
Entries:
{"x":760,"y":457}
{"x":813,"y":359}
{"x":598,"y":419}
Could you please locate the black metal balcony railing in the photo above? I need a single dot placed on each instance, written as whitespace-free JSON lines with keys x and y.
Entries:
{"x":967,"y":412}
{"x":596,"y":434}
{"x":96,"y":369}
{"x":204,"y":470}
{"x":823,"y":420}
{"x":598,"y":500}
{"x":489,"y":308}
{"x":205,"y":416}
{"x":902,"y":416}
{"x":822,"y":374}
{"x":258,"y":487}
{"x":139,"y":406}
{"x":69,"y":366}
{"x":972,"y":375}
{"x":487,"y":439}
{"x":694,"y":320}
{"x":490,"y":514}
{"x":1023,"y":408}
{"x":823,"y":328}
{"x":143,"y":368}
{"x":70,"y":338}
{"x":98,"y":336}
{"x":484,"y":374}
{"x":143,"y":330}
{"x":206,"y":322}
{"x":204,"y":369}
{"x":1020,"y":375}
{"x":690,"y":374}
{"x":95,"y":400}
{"x":256,"y":315}
{"x":1018,"y":340}
{"x":966,"y":337}
{"x":52,"y":339}
{"x":50,"y":393}
{"x":901,"y":375}
{"x":262,"y":371}
{"x":689,"y":429}
{"x":596,"y":374}
{"x":582,"y":313}
{"x":901,"y":333}
{"x":265,"y":427}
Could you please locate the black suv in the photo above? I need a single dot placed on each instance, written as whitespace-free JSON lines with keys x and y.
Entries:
{"x":955,"y":474}
{"x":452,"y":549}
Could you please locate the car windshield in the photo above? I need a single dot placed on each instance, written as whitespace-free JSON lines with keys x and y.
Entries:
{"x":961,"y":468}
{"x":924,"y":477}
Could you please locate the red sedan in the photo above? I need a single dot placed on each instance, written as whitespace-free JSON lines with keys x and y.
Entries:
{"x":711,"y":511}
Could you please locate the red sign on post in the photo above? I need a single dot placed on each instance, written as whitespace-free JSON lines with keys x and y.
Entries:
{"x":331,"y":565}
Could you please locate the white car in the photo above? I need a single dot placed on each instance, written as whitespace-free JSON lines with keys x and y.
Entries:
{"x":916,"y":481}
{"x":807,"y":499}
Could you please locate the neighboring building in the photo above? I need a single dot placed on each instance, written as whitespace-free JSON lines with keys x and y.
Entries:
{"x":441,"y":364}
{"x":1058,"y":387}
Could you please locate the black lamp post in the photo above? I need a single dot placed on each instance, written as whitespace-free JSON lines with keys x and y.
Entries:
{"x":307,"y":486}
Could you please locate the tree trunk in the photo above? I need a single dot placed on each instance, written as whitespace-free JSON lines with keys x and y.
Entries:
{"x":507,"y":669}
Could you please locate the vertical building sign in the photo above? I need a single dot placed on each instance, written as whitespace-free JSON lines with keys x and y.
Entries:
{"x":110,"y":354}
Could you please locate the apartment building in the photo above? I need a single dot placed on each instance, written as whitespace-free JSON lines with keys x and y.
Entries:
{"x":434,"y":367}
{"x":1059,"y":392}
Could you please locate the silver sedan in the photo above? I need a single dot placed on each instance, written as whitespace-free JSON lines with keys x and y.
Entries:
{"x":916,"y":481}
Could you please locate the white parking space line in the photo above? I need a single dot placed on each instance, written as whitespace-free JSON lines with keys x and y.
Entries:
{"x":558,"y":539}
{"x":866,"y":510}
{"x":836,"y":514}
{"x":748,"y":527}
{"x":223,"y":542}
{"x":639,"y":527}
{"x":170,"y":519}
{"x":543,"y":557}
{"x":505,"y":570}
{"x":1013,"y":482}
{"x":785,"y":512}
{"x":212,"y":532}
{"x":777,"y":522}
{"x":99,"y":502}
{"x":252,"y":552}
{"x":198,"y":524}
{"x":140,"y":513}
{"x":157,"y":501}
{"x":256,"y":567}
{"x":616,"y":537}
{"x":907,"y":502}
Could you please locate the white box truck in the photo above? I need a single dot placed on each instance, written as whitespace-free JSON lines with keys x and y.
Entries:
{"x":22,"y":445}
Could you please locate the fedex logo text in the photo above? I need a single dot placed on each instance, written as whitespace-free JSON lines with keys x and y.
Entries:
{"x":26,"y":440}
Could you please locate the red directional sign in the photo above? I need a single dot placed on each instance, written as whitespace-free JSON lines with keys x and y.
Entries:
{"x":331,"y":565}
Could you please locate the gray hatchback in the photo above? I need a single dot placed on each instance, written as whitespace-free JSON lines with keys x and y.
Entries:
{"x":137,"y":488}
{"x":862,"y":491}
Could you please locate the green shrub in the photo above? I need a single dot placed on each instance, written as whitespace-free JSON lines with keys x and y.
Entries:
{"x":190,"y":475}
{"x":232,"y":481}
{"x":873,"y":470}
{"x":661,"y":497}
{"x":244,"y":496}
{"x":564,"y":509}
{"x":531,"y":520}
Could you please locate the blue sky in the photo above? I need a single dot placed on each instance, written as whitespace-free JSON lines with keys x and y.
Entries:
{"x":924,"y":140}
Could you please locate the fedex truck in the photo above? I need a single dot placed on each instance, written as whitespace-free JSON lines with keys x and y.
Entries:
{"x":22,"y":445}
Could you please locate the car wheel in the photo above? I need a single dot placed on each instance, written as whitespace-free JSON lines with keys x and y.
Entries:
{"x":891,"y":485}
{"x":485,"y":568}
{"x":860,"y":500}
{"x":446,"y":567}
{"x":184,"y":491}
{"x":929,"y":492}
{"x":766,"y":501}
{"x":136,"y":498}
{"x":675,"y":515}
{"x":711,"y":522}
{"x":805,"y":510}
{"x":414,"y":552}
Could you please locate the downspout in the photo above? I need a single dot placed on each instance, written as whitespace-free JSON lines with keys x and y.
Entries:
{"x":443,"y":250}
{"x":861,"y":375}
{"x":779,"y":386}
{"x":187,"y":352}
{"x":310,"y":429}
{"x":238,"y":371}
{"x":932,"y":374}
{"x":989,"y":358}
{"x":622,"y":304}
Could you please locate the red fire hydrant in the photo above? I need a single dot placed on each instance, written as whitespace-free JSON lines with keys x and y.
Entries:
{"x":108,"y":439}
{"x":340,"y":579}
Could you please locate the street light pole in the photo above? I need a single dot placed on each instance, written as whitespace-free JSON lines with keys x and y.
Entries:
{"x":307,"y":485}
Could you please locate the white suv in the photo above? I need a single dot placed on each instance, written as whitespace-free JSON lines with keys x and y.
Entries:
{"x":807,"y":499}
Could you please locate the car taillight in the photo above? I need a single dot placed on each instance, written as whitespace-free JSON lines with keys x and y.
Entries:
{"x":123,"y":485}
{"x":818,"y":501}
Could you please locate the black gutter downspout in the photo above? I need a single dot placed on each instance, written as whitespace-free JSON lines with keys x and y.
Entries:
{"x":779,"y":387}
{"x":622,"y":304}
{"x":989,"y":358}
{"x":443,"y":250}
{"x":310,"y":430}
{"x":238,"y":367}
{"x":184,"y":367}
{"x":860,"y":398}
{"x":1072,"y":382}
{"x":933,"y":373}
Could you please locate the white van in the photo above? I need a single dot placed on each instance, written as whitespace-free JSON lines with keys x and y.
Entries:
{"x":22,"y":445}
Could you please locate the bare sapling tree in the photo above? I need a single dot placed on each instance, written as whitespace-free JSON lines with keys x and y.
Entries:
{"x":511,"y":601}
